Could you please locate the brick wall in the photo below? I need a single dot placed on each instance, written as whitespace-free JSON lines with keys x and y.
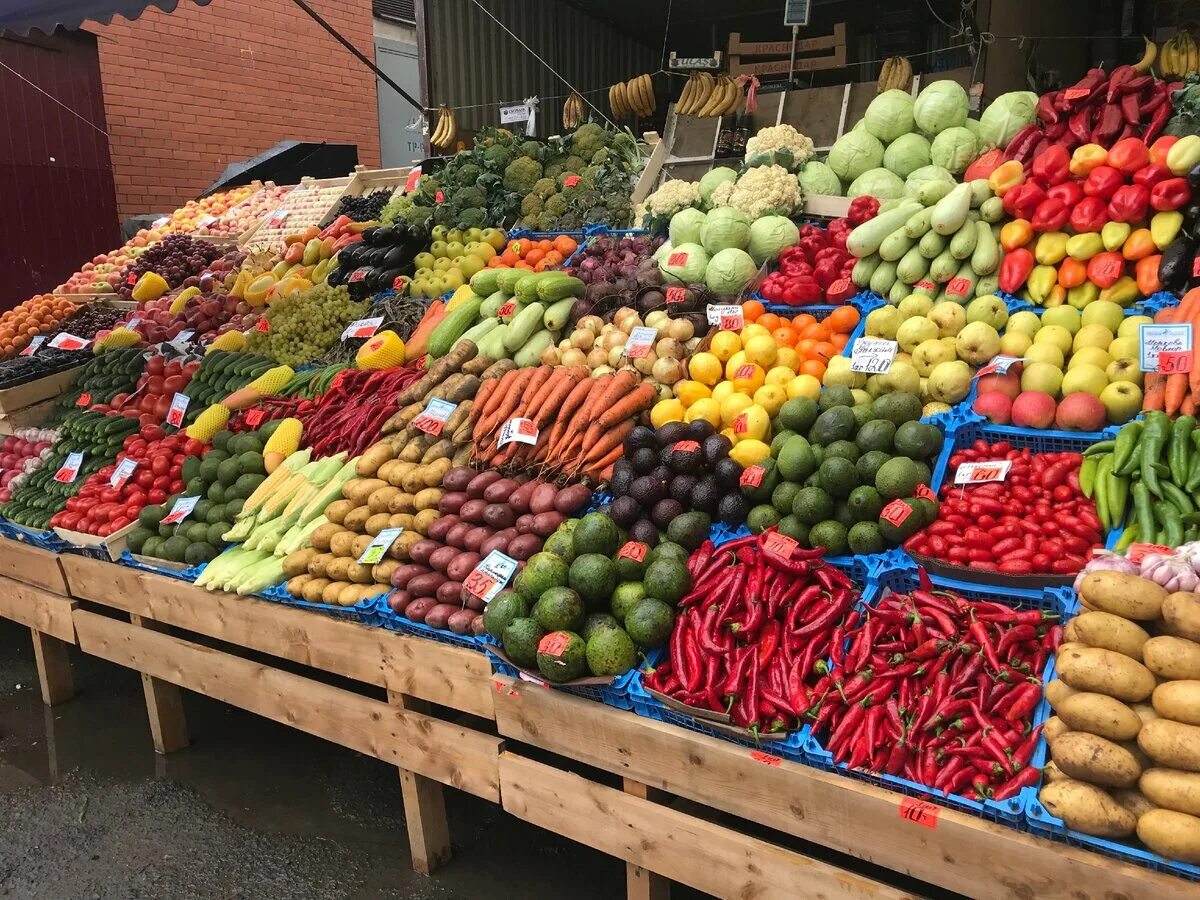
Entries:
{"x":188,"y":92}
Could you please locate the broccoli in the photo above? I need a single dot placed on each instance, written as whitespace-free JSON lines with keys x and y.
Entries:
{"x":467,"y":174}
{"x":531,"y":205}
{"x":544,"y":187}
{"x":575,"y":163}
{"x":546,"y":222}
{"x":497,"y":157}
{"x":601,"y":157}
{"x":598,"y":214}
{"x":624,"y":145}
{"x":472,"y":218}
{"x":443,"y":214}
{"x":587,"y":139}
{"x":532,"y":149}
{"x":466,"y":197}
{"x":521,"y":174}
{"x":417,"y":216}
{"x":530,"y":222}
{"x":557,"y":205}
{"x":554,"y":169}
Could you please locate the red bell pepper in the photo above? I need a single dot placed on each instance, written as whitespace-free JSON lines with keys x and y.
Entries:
{"x":1170,"y":194}
{"x":1051,"y":215}
{"x":1089,"y":214}
{"x":862,"y":209}
{"x":1129,"y":203}
{"x":1104,"y":269}
{"x":1015,"y":269}
{"x":1022,"y":201}
{"x":1052,"y":167}
{"x":1151,"y":174}
{"x":1128,"y":155}
{"x":1069,"y":192}
{"x":801,"y":291}
{"x":1103,"y":182}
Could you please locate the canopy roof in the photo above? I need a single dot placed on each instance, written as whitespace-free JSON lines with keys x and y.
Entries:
{"x":23,"y":16}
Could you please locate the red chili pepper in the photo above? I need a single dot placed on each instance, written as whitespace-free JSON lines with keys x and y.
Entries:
{"x":1027,"y":777}
{"x":1023,"y":706}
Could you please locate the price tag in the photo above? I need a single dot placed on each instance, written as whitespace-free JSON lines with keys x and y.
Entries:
{"x":676,"y":294}
{"x":358,"y":274}
{"x":206,"y":221}
{"x":518,"y":113}
{"x":873,"y":355}
{"x":641,"y":339}
{"x":134,"y":322}
{"x":685,"y":447}
{"x":65,"y":341}
{"x":516,"y":247}
{"x":780,"y":544}
{"x":923,"y":492}
{"x":362,"y":328}
{"x":31,"y":347}
{"x":571,"y":181}
{"x":490,"y":576}
{"x":124,"y":469}
{"x":1076,"y":93}
{"x":85,"y":399}
{"x":375,"y":550}
{"x":838,"y":289}
{"x":179,"y":405}
{"x":262,"y":325}
{"x":554,"y":643}
{"x":1196,"y":266}
{"x":1155,"y":340}
{"x":991,"y":158}
{"x":1138,"y":551}
{"x":979,"y":472}
{"x":926,"y":284}
{"x":634,"y":550}
{"x":919,"y":812}
{"x":999,"y":364}
{"x":1171,"y":363}
{"x":277,"y":218}
{"x":68,"y":471}
{"x":434,"y":417}
{"x":752,"y":476}
{"x":677,"y":259}
{"x":958,"y":286}
{"x":255,"y":416}
{"x":744,"y":371}
{"x":414,"y":179}
{"x":506,"y":309}
{"x":521,"y":430}
{"x":728,"y":317}
{"x":765,"y":758}
{"x":182,"y":338}
{"x":160,"y":221}
{"x":399,"y":283}
{"x":439,"y":197}
{"x":181,"y":510}
{"x":131,"y":279}
{"x":741,"y":424}
{"x":1109,"y":267}
{"x":896,"y":512}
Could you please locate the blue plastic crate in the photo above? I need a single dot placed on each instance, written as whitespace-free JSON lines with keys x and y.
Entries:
{"x":619,"y":694}
{"x":863,"y":301}
{"x":1155,"y":303}
{"x":523,"y":234}
{"x":363,"y":612}
{"x":189,"y":574}
{"x":44,"y":540}
{"x":385,"y":618}
{"x":1014,"y":304}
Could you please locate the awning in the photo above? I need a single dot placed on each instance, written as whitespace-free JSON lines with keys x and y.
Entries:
{"x":22,"y":16}
{"x":287,"y":162}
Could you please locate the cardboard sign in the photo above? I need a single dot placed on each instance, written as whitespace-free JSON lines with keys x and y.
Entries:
{"x":179,"y":405}
{"x":979,"y":472}
{"x":873,"y":355}
{"x":124,"y":469}
{"x":919,"y":812}
{"x":206,"y":221}
{"x":362,"y":328}
{"x":741,"y":424}
{"x":65,"y":341}
{"x":181,"y":510}
{"x":31,"y":347}
{"x":728,"y":317}
{"x":641,"y":339}
{"x":570,"y":181}
{"x":358,"y":274}
{"x":780,"y":544}
{"x":676,"y":294}
{"x":1076,"y":93}
{"x":490,"y":576}
{"x":375,"y":550}
{"x":634,"y":550}
{"x":896,"y":512}
{"x":523,"y":431}
{"x":1155,"y":340}
{"x":685,"y":446}
{"x":69,"y":470}
{"x":1196,"y":267}
{"x":277,"y":218}
{"x":439,"y":197}
{"x":432,"y":419}
{"x":262,"y":325}
{"x":752,"y":476}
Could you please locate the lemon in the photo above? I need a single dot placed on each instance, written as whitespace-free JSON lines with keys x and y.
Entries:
{"x":724,"y":344}
{"x":770,"y":397}
{"x":732,"y":405}
{"x":753,"y":330}
{"x":734,"y":363}
{"x":665,"y":411}
{"x":787,"y":357}
{"x":748,"y":378}
{"x":705,"y":368}
{"x":748,"y":452}
{"x":723,"y":390}
{"x":728,"y":432}
{"x":761,"y":350}
{"x":689,"y":392}
{"x":804,"y":386}
{"x":780,"y":375}
{"x":707,"y":409}
{"x":752,"y":424}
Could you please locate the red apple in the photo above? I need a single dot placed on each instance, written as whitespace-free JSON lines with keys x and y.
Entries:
{"x":1081,"y":411}
{"x":1008,"y":384}
{"x":1033,"y":409}
{"x":995,"y":406}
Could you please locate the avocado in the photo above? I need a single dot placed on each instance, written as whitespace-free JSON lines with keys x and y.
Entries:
{"x":542,"y":572}
{"x":835,"y":424}
{"x":898,"y":408}
{"x":648,"y":490}
{"x":228,"y":472}
{"x":689,"y":530}
{"x":812,"y":505}
{"x":610,"y":651}
{"x":152,"y":546}
{"x":202,"y":507}
{"x":244,"y":486}
{"x":864,"y":538}
{"x":715,"y":448}
{"x":863,"y":413}
{"x":597,"y":533}
{"x":175,"y":549}
{"x":843,"y":449}
{"x":625,"y":597}
{"x":842,"y":514}
{"x":666,"y":510}
{"x":199,"y":553}
{"x":215,"y":512}
{"x":838,"y":476}
{"x":595,"y":622}
{"x":898,"y":534}
{"x":622,"y":477}
{"x":520,"y":641}
{"x":641,"y":436}
{"x":868,"y":465}
{"x":644,"y":460}
{"x":593,"y":576}
{"x":877,"y":434}
{"x":136,"y":539}
{"x":898,"y":477}
{"x":681,"y":487}
{"x":865,"y":503}
{"x":196,"y":532}
{"x":733,"y":508}
{"x":196,"y":487}
{"x":166,"y":531}
{"x":670,"y":433}
{"x":728,"y":473}
{"x":191,"y":468}
{"x":562,"y":656}
{"x":562,"y":545}
{"x":559,"y":609}
{"x":796,"y":461}
{"x":233,"y":508}
{"x":919,"y":441}
{"x":150,"y":517}
{"x":502,"y":611}
{"x":667,"y":550}
{"x":209,"y":466}
{"x":216,"y":531}
{"x":216,"y":492}
{"x":798,"y":414}
{"x":251,"y":463}
{"x":928,"y":510}
{"x":668,"y":580}
{"x":791,"y":526}
{"x":829,"y":534}
{"x":837,"y":395}
{"x":700,"y":430}
{"x":780,"y":439}
{"x":643,"y":531}
{"x":630,"y":569}
{"x":683,"y":458}
{"x":220,"y":440}
{"x":649,"y":623}
{"x":761,"y":517}
{"x":706,"y":497}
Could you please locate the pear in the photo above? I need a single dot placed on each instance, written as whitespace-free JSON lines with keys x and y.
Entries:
{"x":914,"y":331}
{"x":901,"y":378}
{"x":991,"y":310}
{"x":948,"y":317}
{"x":929,"y":354}
{"x":884,"y":322}
{"x":977,"y":343}
{"x":950,"y":382}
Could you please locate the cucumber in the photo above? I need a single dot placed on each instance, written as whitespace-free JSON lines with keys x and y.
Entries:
{"x":522,"y":327}
{"x":452,"y":327}
{"x":529,"y":354}
{"x":866,"y":238}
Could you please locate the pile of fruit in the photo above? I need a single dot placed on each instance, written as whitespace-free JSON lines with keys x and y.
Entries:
{"x":25,"y":321}
{"x":302,"y":326}
{"x":105,"y":272}
{"x":164,"y":265}
{"x":304,"y":206}
{"x":197,"y":214}
{"x":452,"y":258}
{"x":243,"y":216}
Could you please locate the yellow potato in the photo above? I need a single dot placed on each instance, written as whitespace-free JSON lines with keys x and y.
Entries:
{"x":1145,"y":711}
{"x":1179,"y":701}
{"x":1095,"y":760}
{"x":1087,"y":808}
{"x":1101,"y":629}
{"x":1128,"y":596}
{"x":1181,"y":613}
{"x":1172,"y":789}
{"x":1052,"y":773}
{"x":1133,"y":800}
{"x":1174,"y":835}
{"x":1106,"y":672}
{"x":1173,"y":658}
{"x":1057,"y":691}
{"x":1171,"y":744}
{"x":1101,"y":715}
{"x":1054,"y":727}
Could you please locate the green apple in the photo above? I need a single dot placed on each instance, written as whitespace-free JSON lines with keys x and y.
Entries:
{"x":1124,"y":370}
{"x":1042,"y":377}
{"x":469,"y":265}
{"x":1015,"y":343}
{"x":454,"y":248}
{"x":1094,"y":335}
{"x":1058,"y":335}
{"x":438,"y":249}
{"x":1026,"y":322}
{"x":493,"y":236}
{"x":1045,"y":352}
{"x":474,"y":234}
{"x":438,"y":232}
{"x":1103,"y":312}
{"x":1089,"y":356}
{"x":441,"y":264}
{"x":454,"y":235}
{"x":1125,"y":348}
{"x":1129,"y":327}
{"x":1064,"y":316}
{"x":1122,"y":400}
{"x":424,"y":260}
{"x":1089,"y":379}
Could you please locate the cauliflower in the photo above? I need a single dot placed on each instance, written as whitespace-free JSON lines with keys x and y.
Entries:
{"x":762,"y":191}
{"x":721,"y":194}
{"x":673,"y":196}
{"x":781,"y":137}
{"x":522,"y":174}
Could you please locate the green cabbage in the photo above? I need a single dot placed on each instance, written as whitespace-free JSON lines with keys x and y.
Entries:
{"x":769,"y":235}
{"x":723,"y":228}
{"x":854,"y":153}
{"x":712,"y":178}
{"x":1005,"y":116}
{"x":954,"y":149}
{"x":972,"y":125}
{"x":685,"y":226}
{"x":663,"y":251}
{"x":926,"y":175}
{"x":818,"y":178}
{"x":879,"y":183}
{"x":729,"y":272}
{"x":690,"y":261}
{"x":941,"y":105}
{"x":906,"y":154}
{"x":890,"y":115}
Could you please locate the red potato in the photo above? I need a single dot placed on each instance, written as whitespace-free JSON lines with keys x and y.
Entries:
{"x":524,"y":546}
{"x":397,"y":601}
{"x":499,"y":515}
{"x":477,"y":628}
{"x":456,"y":536}
{"x":498,"y":541}
{"x":418,"y":609}
{"x":472,"y":510}
{"x":422,"y":550}
{"x":448,"y":592}
{"x":542,"y":500}
{"x":460,"y":567}
{"x":476,"y":537}
{"x":440,"y":614}
{"x":460,"y":621}
{"x":572,"y":499}
{"x":451,"y":503}
{"x":441,"y":527}
{"x":426,"y":585}
{"x":402,"y":575}
{"x":458,"y":478}
{"x":524,"y":523}
{"x":480,"y":483}
{"x":470,"y":601}
{"x":499,"y":491}
{"x":545,"y":524}
{"x":519,"y":500}
{"x":441,"y":558}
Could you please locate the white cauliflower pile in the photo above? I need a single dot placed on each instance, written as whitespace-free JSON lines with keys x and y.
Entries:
{"x":763,"y":190}
{"x":775,"y":138}
{"x":673,"y":196}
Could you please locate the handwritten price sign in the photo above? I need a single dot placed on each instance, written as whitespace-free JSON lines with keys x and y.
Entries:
{"x":64,"y":341}
{"x":634,"y":550}
{"x":69,"y":470}
{"x":780,"y":544}
{"x":435,"y":416}
{"x":980,"y":472}
{"x":1169,"y":341}
{"x":896,"y":512}
{"x":641,"y":339}
{"x":676,"y":294}
{"x":727,"y":317}
{"x":124,"y":469}
{"x":179,"y":405}
{"x":523,"y":431}
{"x":873,"y":356}
{"x":918,"y":812}
{"x":491,"y":575}
{"x":677,"y":259}
{"x":181,"y":510}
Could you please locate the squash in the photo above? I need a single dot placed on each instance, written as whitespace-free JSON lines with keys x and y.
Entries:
{"x":454,"y":326}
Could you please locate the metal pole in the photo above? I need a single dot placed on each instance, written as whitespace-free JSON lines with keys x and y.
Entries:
{"x":792,"y":58}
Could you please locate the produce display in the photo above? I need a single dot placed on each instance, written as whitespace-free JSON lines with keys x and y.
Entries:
{"x":25,"y":321}
{"x":104,"y":273}
{"x":102,"y":378}
{"x":188,"y":218}
{"x":165,"y":265}
{"x":384,"y":255}
{"x":1176,"y":392}
{"x":24,"y":369}
{"x":242,"y":216}
{"x":304,"y":206}
{"x":21,"y":454}
{"x":816,"y":268}
{"x":302,"y":326}
{"x":615,"y":267}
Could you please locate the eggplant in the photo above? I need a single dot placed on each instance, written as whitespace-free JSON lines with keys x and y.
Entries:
{"x":335,"y":276}
{"x":394,"y":258}
{"x":1174,"y":269}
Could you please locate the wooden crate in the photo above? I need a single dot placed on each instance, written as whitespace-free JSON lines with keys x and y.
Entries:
{"x":268,"y":236}
{"x":25,"y":395}
{"x":29,"y":417}
{"x":231,"y":240}
{"x":363,"y":181}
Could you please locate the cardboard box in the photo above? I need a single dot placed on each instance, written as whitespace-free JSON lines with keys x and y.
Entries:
{"x":32,"y":392}
{"x":29,"y":417}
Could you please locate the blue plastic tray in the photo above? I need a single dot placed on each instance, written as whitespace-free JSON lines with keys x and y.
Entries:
{"x":619,"y":694}
{"x":1155,"y":303}
{"x":189,"y":574}
{"x":385,"y":618}
{"x":44,"y":540}
{"x":864,"y":302}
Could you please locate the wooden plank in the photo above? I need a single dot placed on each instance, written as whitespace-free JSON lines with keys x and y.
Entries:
{"x":738,"y":47}
{"x":449,"y":676}
{"x":164,"y":703}
{"x":834,"y":60}
{"x":37,"y":609}
{"x":825,"y":205}
{"x":679,"y":846}
{"x":32,"y":565}
{"x":460,"y":757}
{"x":964,"y":853}
{"x":53,"y":668}
{"x":642,"y":884}
{"x":424,"y":807}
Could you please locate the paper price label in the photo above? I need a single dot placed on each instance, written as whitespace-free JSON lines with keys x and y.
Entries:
{"x":920,"y":813}
{"x":490,"y":576}
{"x":926,"y":284}
{"x":741,"y":424}
{"x":1138,"y":551}
{"x":506,"y":309}
{"x":1155,"y":340}
{"x":85,"y":399}
{"x":554,"y":643}
{"x":179,"y":405}
{"x":131,"y":279}
{"x":206,"y":221}
{"x":379,"y":545}
{"x":433,"y":418}
{"x":124,"y":469}
{"x":838,"y":287}
{"x":69,"y":470}
{"x":728,"y":317}
{"x":181,"y":510}
{"x":182,"y":338}
{"x":399,"y":282}
{"x":896,"y":512}
{"x":32,"y":346}
{"x":746,"y":371}
{"x":873,"y":355}
{"x":414,"y":178}
{"x":685,"y":447}
{"x":641,"y":339}
{"x":439,"y":197}
{"x":1172,"y":362}
{"x":277,"y":218}
{"x":255,"y":417}
{"x":517,"y":247}
{"x":1076,"y":93}
{"x":134,"y":322}
{"x":958,"y":286}
{"x":765,"y":758}
{"x":1108,"y":267}
{"x":523,"y":431}
{"x":677,"y":259}
{"x":999,"y":364}
{"x":676,"y":294}
{"x":634,"y":550}
{"x":65,"y":341}
{"x":780,"y":544}
{"x":923,"y":492}
{"x":752,"y":476}
{"x":979,"y":472}
{"x":571,"y":181}
{"x":362,"y":328}
{"x":262,"y":325}
{"x":358,"y":274}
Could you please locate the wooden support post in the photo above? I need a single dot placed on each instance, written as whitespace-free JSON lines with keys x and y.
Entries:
{"x":53,"y":668}
{"x":642,"y":884}
{"x":164,"y":703}
{"x":424,"y":806}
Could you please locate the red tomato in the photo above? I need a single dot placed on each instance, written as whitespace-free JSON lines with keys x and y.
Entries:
{"x":160,"y":465}
{"x":155,"y":365}
{"x":161,"y":407}
{"x":148,"y":418}
{"x":174,"y":383}
{"x":161,"y":481}
{"x":135,"y":498}
{"x":177,"y":486}
{"x":174,"y":367}
{"x":144,"y":478}
{"x":105,"y":530}
{"x":120,"y":522}
{"x":192,"y":447}
{"x":110,"y":495}
{"x":157,"y":495}
{"x":152,"y":432}
{"x":175,"y":471}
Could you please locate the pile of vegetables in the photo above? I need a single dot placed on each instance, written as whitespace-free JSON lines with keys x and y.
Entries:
{"x":760,"y":191}
{"x":601,"y":345}
{"x":613,"y":267}
{"x":817,"y":269}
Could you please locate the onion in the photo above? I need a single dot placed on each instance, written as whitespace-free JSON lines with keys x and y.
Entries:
{"x":1103,"y":561}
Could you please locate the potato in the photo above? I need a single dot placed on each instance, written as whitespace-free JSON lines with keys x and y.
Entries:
{"x":1133,"y":800}
{"x":359,"y":573}
{"x":1067,"y":646}
{"x":414,"y":480}
{"x":400,"y":520}
{"x":1173,"y":658}
{"x":1069,"y":632}
{"x":1171,"y":744}
{"x":388,"y":472}
{"x":382,"y":571}
{"x":1181,"y":612}
{"x":316,"y":565}
{"x":1128,"y":596}
{"x":381,"y":498}
{"x":1087,"y":808}
{"x":359,"y":489}
{"x":1101,"y":715}
{"x":427,"y":499}
{"x":401,"y":503}
{"x":342,"y":543}
{"x":295,"y":586}
{"x":400,"y":546}
{"x":321,"y":537}
{"x":350,"y":595}
{"x":377,"y":454}
{"x":1172,"y":789}
{"x":1145,"y":711}
{"x":332,"y":591}
{"x":1178,"y":701}
{"x":1057,"y":691}
{"x":424,"y":519}
{"x":1101,"y":629}
{"x":1105,"y":672}
{"x":1095,"y":760}
{"x":313,"y":590}
{"x":336,"y":511}
{"x":1174,"y":835}
{"x":377,"y":523}
{"x":1054,"y":727}
{"x":436,"y":471}
{"x":336,"y":569}
{"x":360,"y":545}
{"x":1052,"y":773}
{"x":356,"y":519}
{"x":297,"y":563}
{"x":1144,"y":762}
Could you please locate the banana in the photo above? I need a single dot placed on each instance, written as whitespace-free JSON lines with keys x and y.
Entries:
{"x":614,"y":102}
{"x":685,"y":95}
{"x":694,"y":97}
{"x":633,"y":90}
{"x":707,"y":86}
{"x":1193,"y":54}
{"x":716,"y":100}
{"x":443,"y":134}
{"x":647,"y":93}
{"x":1166,"y":59}
{"x":1149,"y":52}
{"x":735,"y":99}
{"x":623,"y":100}
{"x":886,"y":75}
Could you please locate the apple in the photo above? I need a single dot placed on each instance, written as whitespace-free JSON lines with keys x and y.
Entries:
{"x":1093,"y":335}
{"x":1089,"y":356}
{"x":1043,"y":378}
{"x":1129,"y":327}
{"x":1124,"y":370}
{"x":1045,"y":352}
{"x":1033,"y":409}
{"x":1056,"y":335}
{"x":1080,"y":412}
{"x":1103,"y":312}
{"x":1124,"y":347}
{"x":994,"y":406}
{"x":1122,"y":401}
{"x":1084,"y":379}
{"x":1008,"y":383}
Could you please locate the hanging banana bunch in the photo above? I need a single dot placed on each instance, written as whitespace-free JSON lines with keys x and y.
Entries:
{"x":706,"y":96}
{"x":446,"y":129}
{"x":896,"y":74}
{"x":1179,"y":56}
{"x":572,"y":112}
{"x":634,"y":97}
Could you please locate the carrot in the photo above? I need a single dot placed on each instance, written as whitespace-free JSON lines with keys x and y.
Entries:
{"x":486,"y":389}
{"x":573,"y":432}
{"x":539,"y":378}
{"x":1175,"y":391}
{"x":563,"y":416}
{"x":418,"y":342}
{"x":487,"y":410}
{"x":1188,"y":407}
{"x":1156,"y":391}
{"x":607,"y":462}
{"x":622,"y":383}
{"x":551,"y":405}
{"x":510,"y":401}
{"x":629,"y":405}
{"x":1188,"y":306}
{"x":610,"y":440}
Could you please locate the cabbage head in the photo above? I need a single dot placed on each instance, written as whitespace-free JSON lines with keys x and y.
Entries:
{"x":927,"y":175}
{"x":729,"y":272}
{"x":879,"y":183}
{"x":723,"y":228}
{"x":712,"y":178}
{"x":689,"y":262}
{"x":770,"y":235}
{"x":906,"y":154}
{"x":890,"y":115}
{"x":854,"y":153}
{"x":954,"y":149}
{"x":818,"y":178}
{"x":1005,"y":116}
{"x":941,"y":105}
{"x":663,"y":251}
{"x":685,"y":226}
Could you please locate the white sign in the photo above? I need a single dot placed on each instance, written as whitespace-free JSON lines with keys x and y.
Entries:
{"x":1155,"y":340}
{"x":374,"y":551}
{"x":490,"y":576}
{"x":65,"y":341}
{"x":69,"y":469}
{"x":521,"y":430}
{"x":278,"y":217}
{"x":726,"y":317}
{"x":160,"y":221}
{"x":179,"y":405}
{"x":31,"y":347}
{"x":510,"y":114}
{"x":206,"y":221}
{"x":641,"y":339}
{"x":134,"y":322}
{"x":872,"y":355}
{"x":694,"y":62}
{"x":362,"y":328}
{"x":979,"y":472}
{"x":434,"y":416}
{"x":124,"y":469}
{"x":181,"y":510}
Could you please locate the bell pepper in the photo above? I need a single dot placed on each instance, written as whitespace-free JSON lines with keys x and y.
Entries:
{"x":1161,"y":147}
{"x":1041,"y":280}
{"x":1052,"y":167}
{"x":1113,"y":235}
{"x":1051,"y":248}
{"x":1104,"y":269}
{"x":1165,"y":225}
{"x":1087,"y":157}
{"x":1103,"y":182}
{"x":1069,"y":192}
{"x":1051,"y":215}
{"x":1145,"y":271}
{"x":1129,"y":203}
{"x":1015,"y":268}
{"x":1170,"y":194}
{"x":862,"y":209}
{"x":1138,"y":245}
{"x":1151,"y":175}
{"x":1022,"y":201}
{"x":1083,"y":294}
{"x":985,"y":165}
{"x":1005,"y":177}
{"x":1128,"y":155}
{"x":1014,"y":234}
{"x":1122,"y":292}
{"x":1089,"y":214}
{"x":1184,"y":154}
{"x":1071,"y":273}
{"x":1084,"y":246}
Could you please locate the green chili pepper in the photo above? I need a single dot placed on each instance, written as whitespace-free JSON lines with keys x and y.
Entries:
{"x":1100,"y":447}
{"x":1154,"y":438}
{"x":1101,"y":490}
{"x":1191,"y":534}
{"x":1172,"y":523}
{"x":1191,"y":518}
{"x":1118,"y":498}
{"x":1127,"y":440}
{"x":1141,"y":508}
{"x":1181,"y":433}
{"x":1128,"y":536}
{"x":1087,"y":475}
{"x":1178,"y":498}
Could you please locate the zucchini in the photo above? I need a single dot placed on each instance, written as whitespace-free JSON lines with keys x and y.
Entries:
{"x":507,"y":279}
{"x":527,"y":288}
{"x":979,"y":192}
{"x":918,"y":224}
{"x":491,"y":306}
{"x":475,"y":332}
{"x":485,"y":281}
{"x":943,"y":267}
{"x":992,"y":209}
{"x":522,"y":327}
{"x":452,"y":327}
{"x":864,"y":269}
{"x":962,"y":245}
{"x":932,"y":244}
{"x":883,"y":278}
{"x":987,"y":284}
{"x":985,"y":258}
{"x":895,"y":245}
{"x":961,"y":288}
{"x":899,"y":291}
{"x":557,"y":314}
{"x":491,"y":345}
{"x":556,"y":286}
{"x":912,"y":266}
{"x":533,"y":349}
{"x":866,"y":238}
{"x":951,"y":211}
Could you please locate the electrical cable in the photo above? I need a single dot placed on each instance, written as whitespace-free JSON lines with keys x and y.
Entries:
{"x":54,"y":99}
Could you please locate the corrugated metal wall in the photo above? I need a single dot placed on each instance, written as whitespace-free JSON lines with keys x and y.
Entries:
{"x":475,"y":62}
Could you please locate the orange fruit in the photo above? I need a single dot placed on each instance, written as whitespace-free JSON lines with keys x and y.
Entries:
{"x":802,"y":321}
{"x":752,"y":309}
{"x":545,"y":245}
{"x":565,"y":245}
{"x":509,"y":257}
{"x":769,"y":321}
{"x":825,"y":351}
{"x":817,"y":330}
{"x":843,"y":319}
{"x":522,"y":264}
{"x":785,"y":337}
{"x":839,"y":340}
{"x":805,"y":346}
{"x":535,"y":256}
{"x":813,"y":367}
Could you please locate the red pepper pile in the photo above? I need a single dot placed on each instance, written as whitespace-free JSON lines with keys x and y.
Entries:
{"x":350,"y":415}
{"x":939,"y":690}
{"x":753,"y":634}
{"x":817,"y":269}
{"x":1035,"y":521}
{"x":269,"y":410}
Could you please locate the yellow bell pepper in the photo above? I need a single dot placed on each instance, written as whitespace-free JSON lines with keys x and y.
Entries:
{"x":1087,"y":157}
{"x":1084,"y":246}
{"x":1165,"y":225}
{"x":1123,"y":291}
{"x":1081,"y":296}
{"x":1041,"y":281}
{"x":150,"y":286}
{"x":1051,"y":248}
{"x":1113,"y":234}
{"x":1005,"y":177}
{"x":1184,"y":155}
{"x":1139,"y":245}
{"x":1016,"y":233}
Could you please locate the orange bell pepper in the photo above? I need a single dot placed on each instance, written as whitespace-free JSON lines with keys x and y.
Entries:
{"x":1146,"y":275}
{"x":1104,"y":269}
{"x":1005,"y":177}
{"x":1071,"y":272}
{"x":1138,"y":245}
{"x":1086,"y":158}
{"x":1160,"y":148}
{"x":1016,"y":233}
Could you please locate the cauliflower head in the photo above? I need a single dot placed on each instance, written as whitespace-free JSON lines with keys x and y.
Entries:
{"x":763,"y":190}
{"x":781,"y":137}
{"x":673,"y":196}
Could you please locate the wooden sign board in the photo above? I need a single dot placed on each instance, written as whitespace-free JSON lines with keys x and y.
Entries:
{"x":836,"y":59}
